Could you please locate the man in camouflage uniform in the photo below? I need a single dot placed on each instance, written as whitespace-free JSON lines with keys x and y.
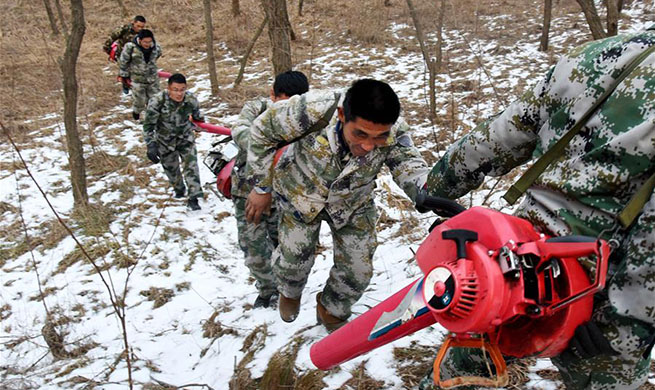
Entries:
{"x":168,"y":132}
{"x":138,"y":63}
{"x":257,"y":241}
{"x":328,"y":174}
{"x":581,"y":192}
{"x":122,"y":36}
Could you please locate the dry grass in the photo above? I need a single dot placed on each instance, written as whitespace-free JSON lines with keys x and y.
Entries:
{"x":158,"y":295}
{"x":242,"y":378}
{"x":361,"y":380}
{"x":281,"y":371}
{"x":414,"y":362}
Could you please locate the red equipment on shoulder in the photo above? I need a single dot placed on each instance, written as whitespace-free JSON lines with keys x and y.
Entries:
{"x":224,"y":177}
{"x":494,"y":283}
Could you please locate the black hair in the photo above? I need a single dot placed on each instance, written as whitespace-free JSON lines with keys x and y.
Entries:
{"x":371,"y":100}
{"x":145,"y":33}
{"x":139,"y":18}
{"x":177,"y":78}
{"x":291,"y":82}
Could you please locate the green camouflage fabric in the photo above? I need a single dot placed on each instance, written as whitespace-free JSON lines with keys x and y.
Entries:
{"x":167,"y":123}
{"x":323,"y":182}
{"x":241,"y":135}
{"x":354,"y":246}
{"x":315,"y":176}
{"x":584,"y":190}
{"x":257,"y":241}
{"x":132,"y":64}
{"x":141,"y":94}
{"x":123,"y":35}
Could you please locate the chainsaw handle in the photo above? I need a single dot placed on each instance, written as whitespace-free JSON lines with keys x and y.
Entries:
{"x":501,"y":378}
{"x":443,"y":207}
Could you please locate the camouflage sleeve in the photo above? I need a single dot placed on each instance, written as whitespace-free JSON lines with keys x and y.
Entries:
{"x":632,"y":290}
{"x":282,"y":122}
{"x":408,"y":168}
{"x":152,"y":117}
{"x":159,"y":51}
{"x":250,"y":111}
{"x":116,"y":34}
{"x":195,"y":110}
{"x":492,"y":148}
{"x":124,"y":60}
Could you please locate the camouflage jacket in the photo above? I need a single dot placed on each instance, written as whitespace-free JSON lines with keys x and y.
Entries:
{"x":313,"y":175}
{"x":241,"y":135}
{"x":132,"y":64}
{"x":167,"y":121}
{"x":123,"y":35}
{"x":584,"y":190}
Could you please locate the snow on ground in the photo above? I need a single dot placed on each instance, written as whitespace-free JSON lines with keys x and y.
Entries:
{"x":195,"y":255}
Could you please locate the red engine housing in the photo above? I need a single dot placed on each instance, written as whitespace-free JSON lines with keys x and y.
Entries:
{"x":518,"y":308}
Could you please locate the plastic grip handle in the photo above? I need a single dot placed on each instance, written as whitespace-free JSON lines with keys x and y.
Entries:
{"x":441,"y":206}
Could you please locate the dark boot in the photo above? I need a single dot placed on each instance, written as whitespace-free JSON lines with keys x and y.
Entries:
{"x":265,"y":302}
{"x":180,"y":192}
{"x":289,"y":308}
{"x":136,"y":116}
{"x":193,"y":204}
{"x":330,"y":322}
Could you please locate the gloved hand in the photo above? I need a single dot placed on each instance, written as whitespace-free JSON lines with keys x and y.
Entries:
{"x":589,"y":341}
{"x":153,"y":152}
{"x":127,"y":83}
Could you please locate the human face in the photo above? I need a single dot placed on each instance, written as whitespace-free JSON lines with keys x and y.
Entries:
{"x":176,"y":91}
{"x":138,"y":26}
{"x":362,"y":135}
{"x":145,"y":43}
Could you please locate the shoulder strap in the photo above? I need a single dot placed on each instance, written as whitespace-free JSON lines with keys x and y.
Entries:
{"x":526,"y":180}
{"x":636,"y":203}
{"x":320,"y":124}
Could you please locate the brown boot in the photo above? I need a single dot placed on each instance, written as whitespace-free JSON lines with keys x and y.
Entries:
{"x":289,"y":308}
{"x":330,"y":322}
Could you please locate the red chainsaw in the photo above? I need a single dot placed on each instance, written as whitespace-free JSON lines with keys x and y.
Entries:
{"x":493,"y":282}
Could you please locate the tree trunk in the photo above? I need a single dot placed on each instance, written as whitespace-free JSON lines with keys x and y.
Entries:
{"x":440,"y":18}
{"x":68,"y":69}
{"x":278,"y":33}
{"x":51,"y":17}
{"x":61,"y":16}
{"x":613,"y":14}
{"x":123,"y":9}
{"x":244,"y":59}
{"x":590,"y":13}
{"x":300,"y":7}
{"x":429,"y":62}
{"x":209,"y":38}
{"x":545,"y":30}
{"x":235,"y":8}
{"x":387,"y":3}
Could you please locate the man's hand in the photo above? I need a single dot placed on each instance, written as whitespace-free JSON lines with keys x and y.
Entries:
{"x":589,"y":341}
{"x":256,"y":205}
{"x":153,"y":152}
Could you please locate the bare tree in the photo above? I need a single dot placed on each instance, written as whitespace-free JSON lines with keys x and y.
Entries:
{"x":300,"y":7}
{"x":430,"y":62}
{"x":278,"y":33}
{"x":51,"y":17}
{"x":235,"y":8}
{"x":60,"y":12}
{"x":440,"y":17}
{"x":545,"y":30}
{"x":68,"y":69}
{"x":244,"y":59}
{"x":613,"y":7}
{"x":209,"y":39}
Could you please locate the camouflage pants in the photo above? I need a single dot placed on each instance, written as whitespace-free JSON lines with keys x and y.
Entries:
{"x":354,"y":245}
{"x":170,"y":160}
{"x":626,"y":371}
{"x":257,"y":243}
{"x":141,"y":93}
